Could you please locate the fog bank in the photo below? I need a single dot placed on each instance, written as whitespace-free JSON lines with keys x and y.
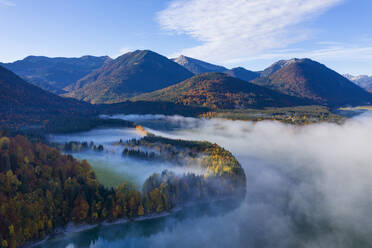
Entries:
{"x":110,"y":166}
{"x":308,"y":186}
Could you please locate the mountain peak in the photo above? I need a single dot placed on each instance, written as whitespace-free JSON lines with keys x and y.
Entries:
{"x":128,"y":75}
{"x":238,"y":68}
{"x":197,"y":66}
{"x":136,"y":53}
{"x":139,"y":56}
{"x":282,"y":63}
{"x":181,"y":60}
{"x":312,"y":80}
{"x":34,"y":58}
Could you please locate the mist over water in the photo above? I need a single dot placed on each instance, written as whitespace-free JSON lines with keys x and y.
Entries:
{"x":160,"y":122}
{"x":98,"y":136}
{"x":318,"y":175}
{"x":110,"y":166}
{"x":307,"y":186}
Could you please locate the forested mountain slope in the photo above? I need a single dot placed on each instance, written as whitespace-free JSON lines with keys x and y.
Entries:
{"x":220,"y":91}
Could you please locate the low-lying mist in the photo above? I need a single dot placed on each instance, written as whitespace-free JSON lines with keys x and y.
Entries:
{"x":308,"y":186}
{"x":98,"y":136}
{"x":110,"y":166}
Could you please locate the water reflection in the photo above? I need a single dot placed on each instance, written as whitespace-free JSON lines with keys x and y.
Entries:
{"x":138,"y":233}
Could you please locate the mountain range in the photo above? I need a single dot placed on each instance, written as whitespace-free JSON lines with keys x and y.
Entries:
{"x":148,"y":76}
{"x":128,"y":75}
{"x":301,"y":78}
{"x":54,"y":74}
{"x":263,"y":77}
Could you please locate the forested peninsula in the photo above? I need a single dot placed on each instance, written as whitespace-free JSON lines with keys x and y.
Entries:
{"x":42,"y":189}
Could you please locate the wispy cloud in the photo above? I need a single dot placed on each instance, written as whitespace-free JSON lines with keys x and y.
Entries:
{"x":343,"y":57}
{"x":7,"y":3}
{"x":230,"y":29}
{"x":339,"y":51}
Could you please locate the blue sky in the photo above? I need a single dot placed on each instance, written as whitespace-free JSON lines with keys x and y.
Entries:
{"x":248,"y":33}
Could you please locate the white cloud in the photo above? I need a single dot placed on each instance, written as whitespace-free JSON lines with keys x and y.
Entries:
{"x":7,"y":3}
{"x":331,"y":52}
{"x":230,"y":29}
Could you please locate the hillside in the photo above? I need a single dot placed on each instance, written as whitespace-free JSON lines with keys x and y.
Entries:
{"x":53,"y":74}
{"x":220,"y":91}
{"x":197,"y":66}
{"x":20,"y":100}
{"x":130,"y":74}
{"x":363,"y":81}
{"x":311,"y":80}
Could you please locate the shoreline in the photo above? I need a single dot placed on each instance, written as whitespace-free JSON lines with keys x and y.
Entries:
{"x":71,"y":228}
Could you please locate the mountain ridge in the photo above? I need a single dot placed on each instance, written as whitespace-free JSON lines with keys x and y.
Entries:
{"x":54,"y":74}
{"x":128,"y":75}
{"x":242,"y":73}
{"x":197,"y":66}
{"x":220,"y":91}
